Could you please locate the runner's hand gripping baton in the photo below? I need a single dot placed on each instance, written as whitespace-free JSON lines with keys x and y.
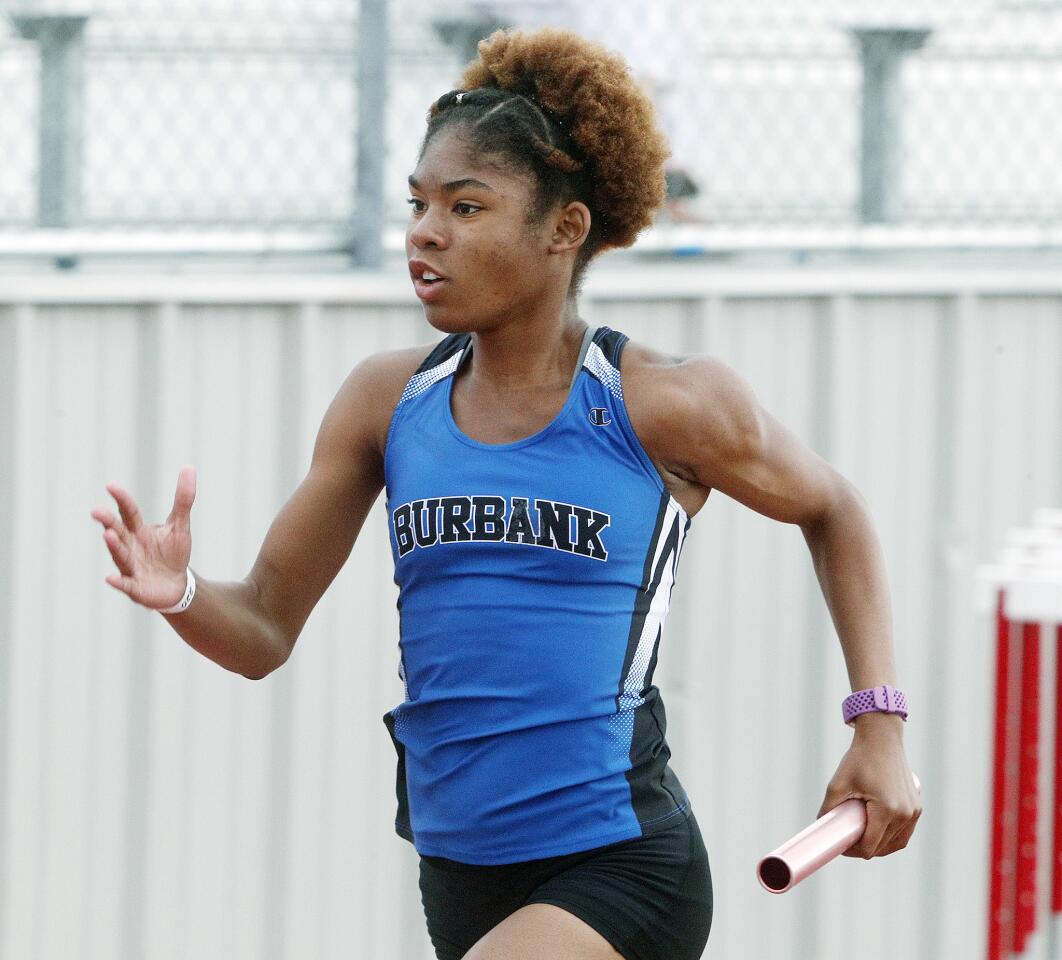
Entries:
{"x":815,"y":846}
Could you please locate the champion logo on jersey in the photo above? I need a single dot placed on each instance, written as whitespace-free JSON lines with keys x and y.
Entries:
{"x":537,"y":523}
{"x":599,"y":416}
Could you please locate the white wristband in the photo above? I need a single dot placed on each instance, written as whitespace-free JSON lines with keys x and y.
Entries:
{"x":189,"y":592}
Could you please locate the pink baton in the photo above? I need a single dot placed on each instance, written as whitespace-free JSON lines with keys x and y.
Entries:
{"x":816,"y":845}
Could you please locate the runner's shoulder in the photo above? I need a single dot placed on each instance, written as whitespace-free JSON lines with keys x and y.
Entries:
{"x":375,"y":384}
{"x":675,"y":399}
{"x":652,"y":377}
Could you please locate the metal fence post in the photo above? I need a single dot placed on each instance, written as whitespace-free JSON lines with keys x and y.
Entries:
{"x":62,"y":47}
{"x":369,"y":205}
{"x":881,"y":49}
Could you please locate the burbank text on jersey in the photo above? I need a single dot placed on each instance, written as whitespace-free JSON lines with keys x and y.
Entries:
{"x":534,"y":579}
{"x":562,"y":526}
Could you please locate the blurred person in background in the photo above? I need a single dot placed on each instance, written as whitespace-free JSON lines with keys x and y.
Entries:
{"x":681,"y":188}
{"x":540,"y":476}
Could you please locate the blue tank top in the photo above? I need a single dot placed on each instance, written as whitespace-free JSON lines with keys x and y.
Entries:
{"x":534,"y":578}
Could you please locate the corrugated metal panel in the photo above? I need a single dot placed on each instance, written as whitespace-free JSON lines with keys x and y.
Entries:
{"x":155,"y":805}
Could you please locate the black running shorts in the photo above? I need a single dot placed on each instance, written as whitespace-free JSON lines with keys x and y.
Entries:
{"x":650,"y":897}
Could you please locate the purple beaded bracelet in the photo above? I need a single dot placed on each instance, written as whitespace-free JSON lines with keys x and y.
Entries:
{"x":884,"y":698}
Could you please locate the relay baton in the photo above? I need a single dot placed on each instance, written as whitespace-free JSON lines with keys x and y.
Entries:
{"x":833,"y":833}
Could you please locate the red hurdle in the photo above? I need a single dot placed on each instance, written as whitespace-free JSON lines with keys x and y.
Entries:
{"x":1023,"y":918}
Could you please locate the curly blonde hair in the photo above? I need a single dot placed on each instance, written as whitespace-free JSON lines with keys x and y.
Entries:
{"x":568,"y":109}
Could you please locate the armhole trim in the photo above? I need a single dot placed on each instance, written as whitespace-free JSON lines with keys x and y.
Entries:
{"x":441,"y":361}
{"x":621,"y":406}
{"x":604,"y":364}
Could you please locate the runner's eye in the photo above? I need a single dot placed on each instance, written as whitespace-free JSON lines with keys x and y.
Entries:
{"x":463,"y":209}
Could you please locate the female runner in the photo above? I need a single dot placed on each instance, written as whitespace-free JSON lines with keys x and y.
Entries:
{"x":540,"y":478}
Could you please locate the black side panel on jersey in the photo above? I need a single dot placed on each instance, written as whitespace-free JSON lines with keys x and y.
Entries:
{"x":402,"y":823}
{"x":655,"y":790}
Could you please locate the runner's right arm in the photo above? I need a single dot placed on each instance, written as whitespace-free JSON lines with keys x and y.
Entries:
{"x":250,"y":626}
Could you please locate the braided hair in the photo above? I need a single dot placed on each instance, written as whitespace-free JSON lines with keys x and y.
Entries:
{"x":566,"y":110}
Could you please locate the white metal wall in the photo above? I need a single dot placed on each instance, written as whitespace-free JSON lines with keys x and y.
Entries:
{"x":154,"y":805}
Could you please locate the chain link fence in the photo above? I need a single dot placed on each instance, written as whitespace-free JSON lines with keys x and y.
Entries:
{"x":135,"y":115}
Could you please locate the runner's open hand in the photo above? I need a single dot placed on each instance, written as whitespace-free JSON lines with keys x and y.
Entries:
{"x":151,"y":558}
